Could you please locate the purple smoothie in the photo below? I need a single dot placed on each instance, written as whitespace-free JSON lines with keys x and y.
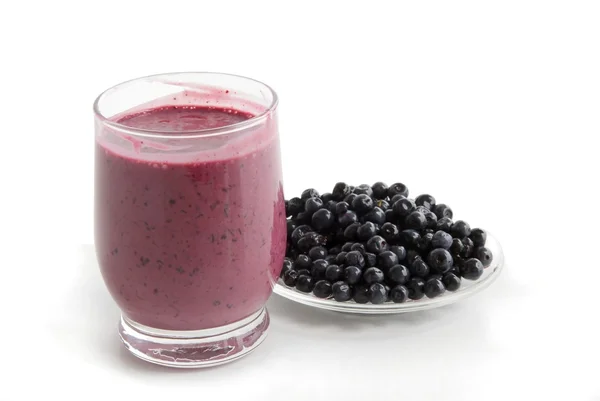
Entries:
{"x":190,"y":240}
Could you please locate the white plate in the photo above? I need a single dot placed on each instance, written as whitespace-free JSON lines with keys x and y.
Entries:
{"x":466,"y":289}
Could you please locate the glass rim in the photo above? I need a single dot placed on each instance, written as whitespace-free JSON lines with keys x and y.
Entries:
{"x":201,"y":133}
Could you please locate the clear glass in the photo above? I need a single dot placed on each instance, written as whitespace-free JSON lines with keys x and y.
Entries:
{"x":190,"y":225}
{"x":466,"y":289}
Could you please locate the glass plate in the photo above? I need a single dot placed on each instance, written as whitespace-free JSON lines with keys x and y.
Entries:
{"x":467,"y":289}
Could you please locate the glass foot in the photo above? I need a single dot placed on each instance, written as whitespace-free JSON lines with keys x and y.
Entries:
{"x":195,"y":348}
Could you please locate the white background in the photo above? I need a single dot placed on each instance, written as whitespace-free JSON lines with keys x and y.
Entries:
{"x":493,"y":107}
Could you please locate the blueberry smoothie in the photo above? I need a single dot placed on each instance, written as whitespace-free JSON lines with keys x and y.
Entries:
{"x":189,"y":239}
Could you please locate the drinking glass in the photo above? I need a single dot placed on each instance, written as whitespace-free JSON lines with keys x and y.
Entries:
{"x":190,"y":226}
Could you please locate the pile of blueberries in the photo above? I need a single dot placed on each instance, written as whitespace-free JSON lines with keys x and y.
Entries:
{"x":375,"y":244}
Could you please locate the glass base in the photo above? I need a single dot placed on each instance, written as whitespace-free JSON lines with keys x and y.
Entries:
{"x":195,"y":348}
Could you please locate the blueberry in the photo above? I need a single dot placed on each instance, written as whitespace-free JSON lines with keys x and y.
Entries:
{"x":416,"y":288}
{"x":334,"y":250}
{"x":396,"y":198}
{"x":472,"y":269}
{"x":350,"y":198}
{"x":326,"y":197}
{"x":304,"y":244}
{"x":390,"y":216}
{"x":357,"y":246}
{"x":341,"y":208}
{"x":340,"y":258}
{"x":303,"y":262}
{"x":362,"y":203}
{"x":425,"y":200}
{"x":322,"y":289}
{"x":421,"y":209}
{"x":440,"y":260}
{"x":331,"y":259}
{"x":287,"y":265}
{"x":403,"y":207}
{"x":382,"y":204}
{"x":400,"y":251}
{"x":312,"y":205}
{"x":451,"y":281}
{"x":397,"y":189}
{"x":322,"y":220}
{"x":347,"y":218}
{"x":331,"y":206}
{"x":444,"y":224}
{"x":442,"y":211}
{"x":309,"y":193}
{"x":363,"y":189}
{"x":347,"y":247}
{"x":305,"y":283}
{"x":341,"y":291}
{"x":390,"y":232}
{"x":291,"y":226}
{"x":318,"y":269}
{"x":310,"y":240}
{"x":373,"y":275}
{"x":386,"y":259}
{"x":431,"y":219}
{"x":376,"y":216}
{"x":351,"y":232}
{"x":398,"y":274}
{"x":424,"y":244}
{"x":299,"y":233}
{"x":303,"y":218}
{"x":355,"y":258}
{"x":468,"y":248}
{"x":290,"y":277}
{"x":434,"y":287}
{"x":418,"y":268}
{"x":399,"y":294}
{"x":340,"y":191}
{"x":334,"y":273}
{"x":361,"y":294}
{"x":484,"y":255}
{"x":294,"y":206}
{"x":317,"y":252}
{"x":378,"y":293}
{"x":457,"y":247}
{"x":478,"y":236}
{"x":366,"y":231}
{"x":416,"y":221}
{"x":370,"y":259}
{"x":461,"y":229}
{"x":411,"y":238}
{"x":352,"y":274}
{"x":379,"y":190}
{"x":376,"y":245}
{"x":441,"y":239}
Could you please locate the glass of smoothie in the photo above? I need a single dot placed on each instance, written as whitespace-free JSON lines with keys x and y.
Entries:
{"x":190,"y":226}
